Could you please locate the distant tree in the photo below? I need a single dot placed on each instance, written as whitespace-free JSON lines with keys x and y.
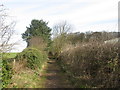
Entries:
{"x":61,"y":28}
{"x":37,"y":28}
{"x":103,"y":36}
{"x":76,"y":37}
{"x":60,"y":31}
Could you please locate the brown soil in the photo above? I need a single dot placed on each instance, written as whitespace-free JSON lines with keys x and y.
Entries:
{"x":55,"y":78}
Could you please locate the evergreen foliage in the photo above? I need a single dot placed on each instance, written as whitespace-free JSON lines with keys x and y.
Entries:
{"x":37,"y":28}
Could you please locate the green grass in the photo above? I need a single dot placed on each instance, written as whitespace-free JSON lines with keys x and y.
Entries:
{"x":24,"y":77}
{"x":27,"y":79}
{"x":10,"y":55}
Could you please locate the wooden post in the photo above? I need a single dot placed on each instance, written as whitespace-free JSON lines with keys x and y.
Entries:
{"x":14,"y":63}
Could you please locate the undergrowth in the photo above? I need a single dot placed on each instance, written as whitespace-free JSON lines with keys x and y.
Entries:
{"x":6,"y":73}
{"x":24,"y":70}
{"x":92,"y":65}
{"x":32,"y":57}
{"x":27,"y":78}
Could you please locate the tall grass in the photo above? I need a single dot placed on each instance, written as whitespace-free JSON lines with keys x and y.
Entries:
{"x":25,"y":77}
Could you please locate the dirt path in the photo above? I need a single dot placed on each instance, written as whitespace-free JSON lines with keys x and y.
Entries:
{"x":54,"y":77}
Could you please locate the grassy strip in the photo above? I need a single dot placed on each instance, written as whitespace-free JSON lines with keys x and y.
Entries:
{"x":10,"y":55}
{"x":27,"y":78}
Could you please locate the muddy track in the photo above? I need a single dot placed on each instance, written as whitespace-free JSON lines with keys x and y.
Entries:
{"x":55,"y":78}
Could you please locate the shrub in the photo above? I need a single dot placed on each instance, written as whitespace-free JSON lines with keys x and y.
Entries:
{"x":38,"y":43}
{"x":92,"y":65}
{"x":32,"y":57}
{"x":6,"y":73}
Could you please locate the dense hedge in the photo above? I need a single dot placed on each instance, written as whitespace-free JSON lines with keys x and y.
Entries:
{"x":32,"y":57}
{"x":92,"y":65}
{"x":6,"y":73}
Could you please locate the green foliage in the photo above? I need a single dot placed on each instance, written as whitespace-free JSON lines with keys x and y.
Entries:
{"x":58,"y":45}
{"x":76,"y":37}
{"x":90,"y":36}
{"x":33,"y":58}
{"x":10,"y":55}
{"x":61,"y":40}
{"x":37,"y":28}
{"x":27,"y":79}
{"x":6,"y":73}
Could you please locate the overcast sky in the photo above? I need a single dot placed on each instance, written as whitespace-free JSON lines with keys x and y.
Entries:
{"x":84,"y":15}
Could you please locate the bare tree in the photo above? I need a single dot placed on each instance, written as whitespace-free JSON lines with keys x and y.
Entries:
{"x":6,"y":31}
{"x":60,"y":31}
{"x":61,"y":28}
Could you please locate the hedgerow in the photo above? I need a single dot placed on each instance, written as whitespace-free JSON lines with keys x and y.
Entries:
{"x":32,"y":57}
{"x":6,"y":73}
{"x":92,"y":65}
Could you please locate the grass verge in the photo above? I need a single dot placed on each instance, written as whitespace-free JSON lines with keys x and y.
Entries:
{"x":27,"y":78}
{"x":10,"y":55}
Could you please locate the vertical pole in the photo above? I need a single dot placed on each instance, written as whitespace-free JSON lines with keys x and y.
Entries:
{"x":1,"y":57}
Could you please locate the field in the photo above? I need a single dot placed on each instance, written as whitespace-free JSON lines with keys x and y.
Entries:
{"x":10,"y":55}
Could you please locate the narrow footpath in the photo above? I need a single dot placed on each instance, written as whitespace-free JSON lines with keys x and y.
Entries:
{"x":54,"y":77}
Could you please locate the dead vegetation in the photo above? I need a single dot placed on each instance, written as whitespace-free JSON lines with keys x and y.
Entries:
{"x":93,"y":64}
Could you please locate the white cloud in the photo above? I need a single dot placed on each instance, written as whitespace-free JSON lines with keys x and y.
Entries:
{"x":85,"y":15}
